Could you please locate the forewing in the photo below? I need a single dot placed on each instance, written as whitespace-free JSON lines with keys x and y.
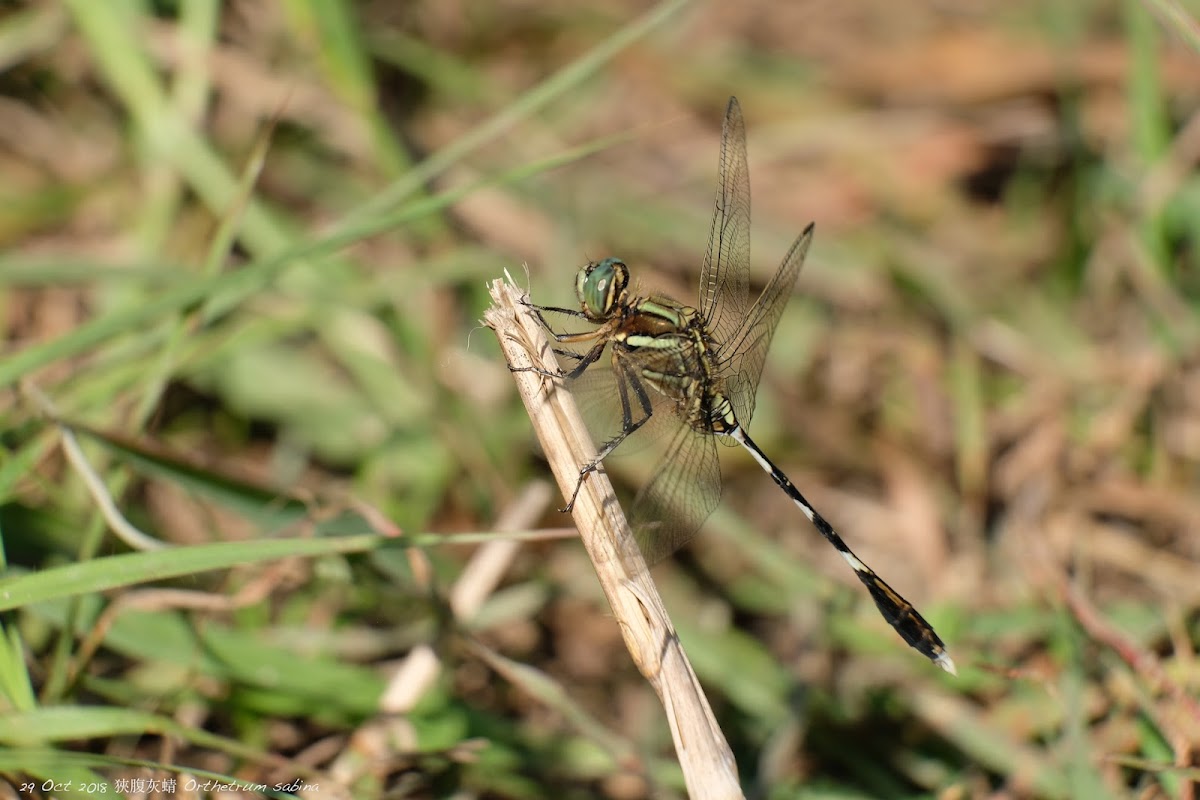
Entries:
{"x":724,"y":277}
{"x":743,"y":354}
{"x":685,"y":489}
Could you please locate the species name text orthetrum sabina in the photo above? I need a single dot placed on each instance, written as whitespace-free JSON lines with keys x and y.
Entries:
{"x":701,"y":367}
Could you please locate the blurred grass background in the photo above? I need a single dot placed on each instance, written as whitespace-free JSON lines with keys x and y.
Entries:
{"x":244,"y":254}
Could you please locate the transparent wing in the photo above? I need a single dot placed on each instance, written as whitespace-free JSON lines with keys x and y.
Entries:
{"x":724,"y":277}
{"x":743,"y":354}
{"x":686,"y":482}
{"x":685,"y":489}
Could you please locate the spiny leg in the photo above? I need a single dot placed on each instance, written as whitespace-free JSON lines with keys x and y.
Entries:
{"x":585,"y":361}
{"x":899,"y":613}
{"x":539,"y":312}
{"x":598,"y":335}
{"x":626,"y":378}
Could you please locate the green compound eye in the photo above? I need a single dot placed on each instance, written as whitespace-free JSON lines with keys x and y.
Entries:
{"x":600,"y":286}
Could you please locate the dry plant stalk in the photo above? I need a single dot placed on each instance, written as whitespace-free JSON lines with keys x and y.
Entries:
{"x":708,"y":766}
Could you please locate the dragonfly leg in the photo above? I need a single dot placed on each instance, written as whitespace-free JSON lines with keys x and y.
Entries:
{"x":585,"y":361}
{"x":570,"y":312}
{"x":538,"y":370}
{"x":540,"y":310}
{"x":628,"y":425}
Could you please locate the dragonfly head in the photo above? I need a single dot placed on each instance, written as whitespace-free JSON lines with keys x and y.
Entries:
{"x":601,"y":287}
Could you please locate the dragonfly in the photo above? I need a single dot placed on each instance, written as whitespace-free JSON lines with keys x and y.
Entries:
{"x":699,"y":367}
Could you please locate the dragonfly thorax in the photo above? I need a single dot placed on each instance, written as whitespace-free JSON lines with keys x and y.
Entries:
{"x":601,"y":288}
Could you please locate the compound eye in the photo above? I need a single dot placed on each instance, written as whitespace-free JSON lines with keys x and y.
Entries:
{"x":599,"y":287}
